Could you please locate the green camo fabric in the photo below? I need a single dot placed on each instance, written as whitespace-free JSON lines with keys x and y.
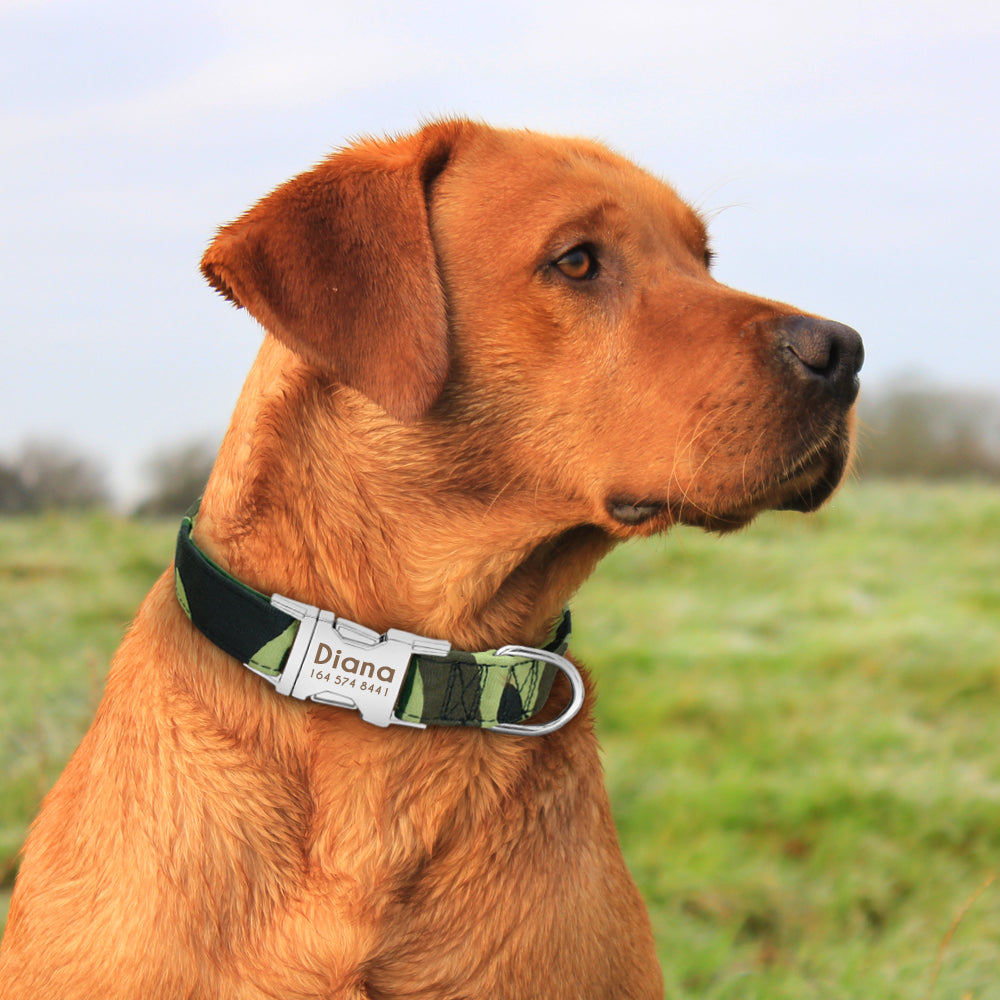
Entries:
{"x":459,"y":689}
{"x":474,"y":689}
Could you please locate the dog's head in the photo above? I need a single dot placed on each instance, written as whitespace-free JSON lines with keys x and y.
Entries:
{"x":556,"y":301}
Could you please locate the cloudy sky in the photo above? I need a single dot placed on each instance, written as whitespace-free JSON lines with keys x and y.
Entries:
{"x":847,"y":152}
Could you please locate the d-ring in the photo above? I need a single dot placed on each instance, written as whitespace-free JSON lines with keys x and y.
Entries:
{"x":576,"y":702}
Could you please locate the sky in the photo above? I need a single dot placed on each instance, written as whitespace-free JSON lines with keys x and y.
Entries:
{"x":847,"y":154}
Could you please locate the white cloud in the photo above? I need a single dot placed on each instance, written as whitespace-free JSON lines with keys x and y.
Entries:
{"x":863,"y":135}
{"x":260,"y":57}
{"x":17,"y":6}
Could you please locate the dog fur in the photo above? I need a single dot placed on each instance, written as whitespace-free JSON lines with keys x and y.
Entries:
{"x":490,"y":356}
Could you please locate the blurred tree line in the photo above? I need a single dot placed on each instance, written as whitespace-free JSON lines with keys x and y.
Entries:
{"x":913,"y":429}
{"x":909,"y":428}
{"x":45,"y":476}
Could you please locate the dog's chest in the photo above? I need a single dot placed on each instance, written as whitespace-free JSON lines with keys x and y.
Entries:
{"x":487,"y":886}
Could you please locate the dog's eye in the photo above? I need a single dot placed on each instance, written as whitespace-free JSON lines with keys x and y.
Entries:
{"x":709,"y":257}
{"x":580,"y":263}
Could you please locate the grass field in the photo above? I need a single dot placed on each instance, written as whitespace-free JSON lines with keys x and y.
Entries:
{"x":801,"y":725}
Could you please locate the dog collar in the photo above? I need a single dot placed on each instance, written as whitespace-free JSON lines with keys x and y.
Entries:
{"x":395,"y":678}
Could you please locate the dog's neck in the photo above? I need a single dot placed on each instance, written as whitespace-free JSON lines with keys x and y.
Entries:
{"x":336,"y":505}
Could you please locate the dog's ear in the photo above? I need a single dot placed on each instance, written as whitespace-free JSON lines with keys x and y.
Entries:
{"x":339,"y":265}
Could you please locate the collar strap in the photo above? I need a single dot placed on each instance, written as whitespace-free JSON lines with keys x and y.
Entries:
{"x":398,"y":677}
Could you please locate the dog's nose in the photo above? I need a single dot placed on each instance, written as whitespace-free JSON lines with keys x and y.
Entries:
{"x":824,"y":352}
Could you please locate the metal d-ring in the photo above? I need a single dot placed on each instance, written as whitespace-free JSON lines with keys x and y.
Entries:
{"x":576,"y":702}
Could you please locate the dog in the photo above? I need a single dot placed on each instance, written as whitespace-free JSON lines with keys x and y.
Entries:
{"x":489,"y":356}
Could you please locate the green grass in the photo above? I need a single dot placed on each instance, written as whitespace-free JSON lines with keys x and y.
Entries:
{"x":800,"y":725}
{"x":801,"y":730}
{"x":68,"y":588}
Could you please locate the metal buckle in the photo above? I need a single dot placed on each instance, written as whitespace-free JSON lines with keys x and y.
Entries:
{"x":335,"y":661}
{"x":338,"y":662}
{"x":576,"y":702}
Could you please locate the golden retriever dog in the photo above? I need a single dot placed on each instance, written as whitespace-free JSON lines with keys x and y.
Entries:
{"x":342,"y":752}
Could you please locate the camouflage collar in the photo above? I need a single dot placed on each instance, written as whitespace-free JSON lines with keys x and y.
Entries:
{"x":396,"y":678}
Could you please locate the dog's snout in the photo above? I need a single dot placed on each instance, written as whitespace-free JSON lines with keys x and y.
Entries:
{"x":819,"y":350}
